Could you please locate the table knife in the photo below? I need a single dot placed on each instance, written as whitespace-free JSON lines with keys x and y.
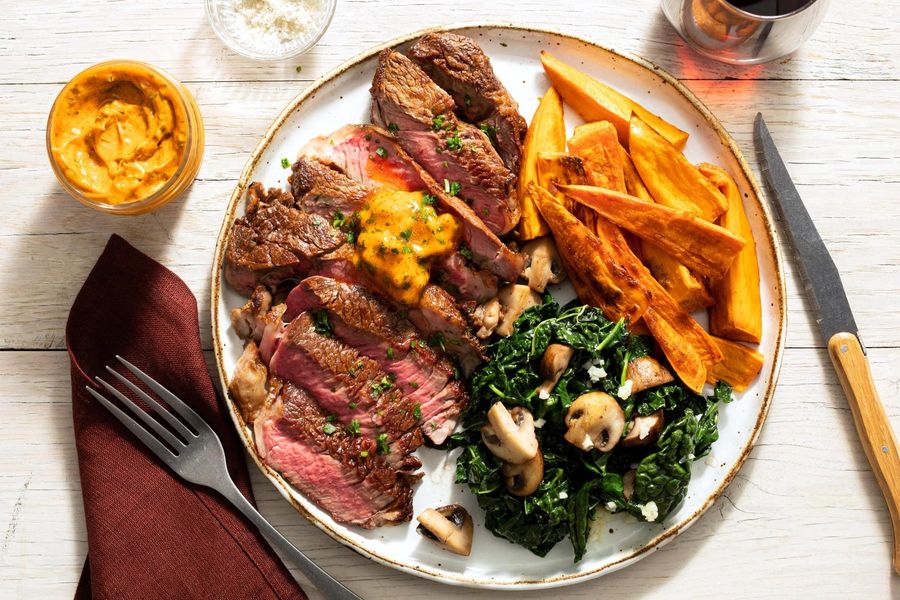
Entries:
{"x":835,"y":320}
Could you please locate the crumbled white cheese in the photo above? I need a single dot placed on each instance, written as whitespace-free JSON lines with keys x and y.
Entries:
{"x":691,"y":456}
{"x":611,"y":507}
{"x":644,"y":428}
{"x":587,"y":443}
{"x":538,"y":423}
{"x":625,"y":390}
{"x":269,"y":25}
{"x":563,"y":495}
{"x":596,"y":373}
{"x":650,"y":511}
{"x":543,"y":394}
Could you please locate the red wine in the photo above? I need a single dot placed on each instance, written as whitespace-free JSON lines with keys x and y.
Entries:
{"x":769,"y":8}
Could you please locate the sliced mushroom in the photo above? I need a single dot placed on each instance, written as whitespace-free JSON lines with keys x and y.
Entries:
{"x":628,"y":484}
{"x":595,"y":420}
{"x":487,"y":317}
{"x":450,"y":526}
{"x":248,"y":383}
{"x":515,"y":300}
{"x":542,"y":264}
{"x":509,"y":434}
{"x":524,"y":479}
{"x":553,"y":364}
{"x":646,"y":372}
{"x":644,"y":430}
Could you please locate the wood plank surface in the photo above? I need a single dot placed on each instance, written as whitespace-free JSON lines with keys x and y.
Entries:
{"x":804,"y":517}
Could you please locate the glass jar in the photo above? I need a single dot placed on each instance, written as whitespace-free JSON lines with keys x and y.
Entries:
{"x":125,"y":137}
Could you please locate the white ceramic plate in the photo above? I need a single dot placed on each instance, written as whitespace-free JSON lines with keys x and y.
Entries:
{"x":342,"y":97}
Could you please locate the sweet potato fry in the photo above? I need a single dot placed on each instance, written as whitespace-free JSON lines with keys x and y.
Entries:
{"x":558,"y":168}
{"x":682,"y":356}
{"x":601,"y":282}
{"x":737,"y":312}
{"x":739,"y":365}
{"x":672,"y":180}
{"x":596,"y":101}
{"x":703,"y":247}
{"x":546,"y":133}
{"x":690,"y":293}
{"x":598,"y":146}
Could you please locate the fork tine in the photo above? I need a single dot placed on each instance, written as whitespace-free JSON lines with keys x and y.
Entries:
{"x":160,"y":410}
{"x":171,"y":399}
{"x":134,"y":427}
{"x":143,"y":416}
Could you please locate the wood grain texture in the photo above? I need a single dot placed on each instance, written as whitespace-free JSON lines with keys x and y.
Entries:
{"x":803,"y":518}
{"x":871,"y":422}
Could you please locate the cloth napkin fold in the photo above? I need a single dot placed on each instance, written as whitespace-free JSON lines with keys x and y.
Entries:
{"x":151,"y":534}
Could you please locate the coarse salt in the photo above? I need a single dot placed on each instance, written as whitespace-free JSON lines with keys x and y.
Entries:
{"x":274,"y":25}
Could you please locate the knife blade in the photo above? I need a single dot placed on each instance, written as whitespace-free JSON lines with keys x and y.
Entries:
{"x":838,"y":328}
{"x":823,"y":282}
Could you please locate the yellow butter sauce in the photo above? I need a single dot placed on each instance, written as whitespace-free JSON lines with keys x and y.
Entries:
{"x":399,"y":236}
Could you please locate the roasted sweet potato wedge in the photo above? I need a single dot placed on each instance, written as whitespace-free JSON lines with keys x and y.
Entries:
{"x":596,"y":101}
{"x":737,"y":312}
{"x":597,"y":279}
{"x":705,"y":248}
{"x":739,"y":365}
{"x":672,"y":180}
{"x":683,"y":357}
{"x":690,"y":293}
{"x":597,"y":144}
{"x":546,"y":133}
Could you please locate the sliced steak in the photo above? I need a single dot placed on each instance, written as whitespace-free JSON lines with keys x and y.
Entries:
{"x":340,"y":472}
{"x":421,"y":113}
{"x":323,"y":190}
{"x":275,"y":241}
{"x":374,"y":329}
{"x":354,"y":150}
{"x":438,"y":317}
{"x":458,"y":64}
{"x":346,"y":384}
{"x":464,"y":281}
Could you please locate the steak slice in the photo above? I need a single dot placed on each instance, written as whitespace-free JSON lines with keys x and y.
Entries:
{"x":340,"y":472}
{"x":374,"y":329}
{"x":458,"y":64}
{"x":354,"y":150}
{"x":323,"y":190}
{"x":466,"y":283}
{"x":346,"y":384}
{"x":438,"y":317}
{"x":274,"y":241}
{"x":406,"y":100}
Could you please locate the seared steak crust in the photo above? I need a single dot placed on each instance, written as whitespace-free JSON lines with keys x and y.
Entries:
{"x":405,"y":99}
{"x":370,"y":326}
{"x":341,"y":472}
{"x":274,"y":241}
{"x":460,"y":66}
{"x":323,"y":190}
{"x":438,"y":317}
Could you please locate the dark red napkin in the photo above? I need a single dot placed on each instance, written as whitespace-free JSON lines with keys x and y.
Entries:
{"x":151,"y":534}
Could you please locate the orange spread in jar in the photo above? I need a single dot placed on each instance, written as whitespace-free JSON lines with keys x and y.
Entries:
{"x":119,"y":133}
{"x":400,"y":233}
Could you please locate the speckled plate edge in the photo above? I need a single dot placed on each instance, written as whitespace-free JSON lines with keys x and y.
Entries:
{"x":286,"y":489}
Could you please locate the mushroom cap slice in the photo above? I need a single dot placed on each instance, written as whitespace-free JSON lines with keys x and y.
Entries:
{"x":595,"y":420}
{"x":450,"y":526}
{"x":515,"y":300}
{"x":644,"y":430}
{"x":487,"y":317}
{"x":646,"y":372}
{"x":509,"y":434}
{"x":542,"y":264}
{"x":524,"y":479}
{"x":554,"y":362}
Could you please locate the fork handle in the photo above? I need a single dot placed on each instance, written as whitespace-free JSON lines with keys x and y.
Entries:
{"x":872,"y":424}
{"x":327,"y":585}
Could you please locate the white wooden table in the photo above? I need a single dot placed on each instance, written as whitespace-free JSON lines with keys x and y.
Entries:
{"x":803,"y":518}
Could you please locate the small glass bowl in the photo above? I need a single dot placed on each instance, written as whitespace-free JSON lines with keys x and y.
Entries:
{"x":217,"y":13}
{"x":187,"y":168}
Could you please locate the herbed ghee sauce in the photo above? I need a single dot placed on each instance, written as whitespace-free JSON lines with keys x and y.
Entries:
{"x":399,"y":235}
{"x":118,"y":133}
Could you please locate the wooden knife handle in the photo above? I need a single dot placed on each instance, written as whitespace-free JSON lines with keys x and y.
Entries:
{"x":872,"y":423}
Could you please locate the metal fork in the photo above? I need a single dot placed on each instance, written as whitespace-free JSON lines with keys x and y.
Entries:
{"x":196,"y":455}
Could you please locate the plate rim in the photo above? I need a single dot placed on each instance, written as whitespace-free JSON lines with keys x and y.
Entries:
{"x":285,"y":489}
